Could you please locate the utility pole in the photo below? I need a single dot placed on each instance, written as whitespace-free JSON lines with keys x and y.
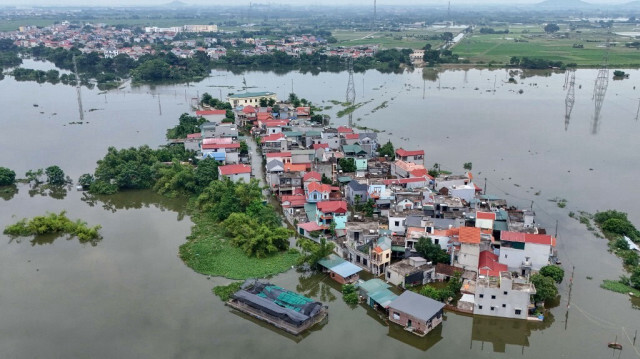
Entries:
{"x":485,"y":185}
{"x":75,"y":70}
{"x":556,"y":229}
{"x":571,"y":97}
{"x":638,"y":112}
{"x":351,"y":91}
{"x":600,"y":89}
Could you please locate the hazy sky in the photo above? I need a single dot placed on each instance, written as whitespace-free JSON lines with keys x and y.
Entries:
{"x":287,"y":2}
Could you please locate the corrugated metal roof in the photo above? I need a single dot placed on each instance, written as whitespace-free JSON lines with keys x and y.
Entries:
{"x":416,"y":305}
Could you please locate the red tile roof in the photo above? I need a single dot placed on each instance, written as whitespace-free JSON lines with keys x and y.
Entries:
{"x":544,"y":239}
{"x":215,"y":146}
{"x":209,"y":141}
{"x":312,"y":175}
{"x":275,"y":123}
{"x":332,"y":206}
{"x":311,"y":226}
{"x":194,"y":135}
{"x":352,"y":136}
{"x":320,"y":187}
{"x":488,"y":264}
{"x":273,"y":137}
{"x":469,"y":235}
{"x":486,"y":215}
{"x":294,"y":200}
{"x":320,"y":145}
{"x":264,"y":115}
{"x":278,"y":154}
{"x":211,"y":112}
{"x":403,"y":153}
{"x":343,"y":129}
{"x":249,"y":109}
{"x":234,"y":169}
{"x":291,"y":167}
{"x":421,"y":172}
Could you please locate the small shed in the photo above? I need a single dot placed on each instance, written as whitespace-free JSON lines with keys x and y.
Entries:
{"x":416,"y":313}
{"x":340,"y":270}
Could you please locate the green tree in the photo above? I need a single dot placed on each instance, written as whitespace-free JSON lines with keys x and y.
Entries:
{"x":206,"y":172}
{"x":34,"y":176}
{"x":634,"y":280}
{"x":551,"y":28}
{"x":187,"y":125}
{"x":325,"y":179}
{"x":467,"y":166}
{"x":553,"y":271}
{"x":545,"y":288}
{"x":314,"y":252}
{"x":620,"y":227}
{"x":55,"y":175}
{"x":7,"y":176}
{"x":432,"y":252}
{"x":244,"y":148}
{"x":347,"y":164}
{"x":349,"y":294}
{"x":387,"y":150}
{"x":174,"y":179}
{"x":86,"y":180}
{"x":263,"y":102}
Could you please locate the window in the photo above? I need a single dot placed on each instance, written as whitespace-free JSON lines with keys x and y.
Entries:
{"x":481,"y":295}
{"x":505,"y":292}
{"x":493,"y":308}
{"x":505,"y":255}
{"x":504,"y":306}
{"x":397,"y":223}
{"x":518,"y":311}
{"x":436,"y":241}
{"x":387,"y":255}
{"x":479,"y":307}
{"x":493,"y":297}
{"x":396,"y":315}
{"x":388,"y":274}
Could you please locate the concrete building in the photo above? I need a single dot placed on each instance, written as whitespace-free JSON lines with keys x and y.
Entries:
{"x":236,"y":172}
{"x":340,"y":270}
{"x":250,"y":98}
{"x":410,"y":272}
{"x":524,"y":251}
{"x":416,"y":313}
{"x":503,"y":296}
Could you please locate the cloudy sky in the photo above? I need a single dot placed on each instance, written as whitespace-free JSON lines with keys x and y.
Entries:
{"x":283,"y":2}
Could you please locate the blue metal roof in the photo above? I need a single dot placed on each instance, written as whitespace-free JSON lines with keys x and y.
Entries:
{"x":384,"y":297}
{"x":346,"y":269}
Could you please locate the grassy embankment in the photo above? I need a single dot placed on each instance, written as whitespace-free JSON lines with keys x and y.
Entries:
{"x":207,"y":252}
{"x":411,"y":39}
{"x":499,"y":48}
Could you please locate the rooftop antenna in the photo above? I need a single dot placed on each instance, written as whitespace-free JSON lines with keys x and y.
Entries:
{"x":75,"y":70}
{"x":351,"y":90}
{"x":571,"y":97}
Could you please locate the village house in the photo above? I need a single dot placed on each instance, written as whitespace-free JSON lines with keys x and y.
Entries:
{"x":410,"y":156}
{"x":413,"y":271}
{"x":340,"y":270}
{"x":235,"y":172}
{"x":416,"y":313}
{"x":524,"y":252}
{"x":376,"y":293}
{"x":328,"y":212}
{"x":503,"y":296}
{"x":214,"y":116}
{"x":250,"y":98}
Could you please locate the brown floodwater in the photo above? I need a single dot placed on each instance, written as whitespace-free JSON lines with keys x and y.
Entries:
{"x":131,"y":296}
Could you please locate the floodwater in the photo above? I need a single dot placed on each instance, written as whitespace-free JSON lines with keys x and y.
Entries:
{"x":131,"y":296}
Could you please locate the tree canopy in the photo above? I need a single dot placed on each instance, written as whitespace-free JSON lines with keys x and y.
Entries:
{"x":186,"y":126}
{"x":7,"y":176}
{"x":553,"y":271}
{"x":387,"y":150}
{"x":432,"y":252}
{"x":347,"y":164}
{"x":545,"y":288}
{"x":55,"y":175}
{"x":551,"y":28}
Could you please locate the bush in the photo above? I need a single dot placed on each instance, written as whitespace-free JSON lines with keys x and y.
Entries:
{"x":51,"y":224}
{"x":349,"y":294}
{"x":226,"y":291}
{"x":7,"y":176}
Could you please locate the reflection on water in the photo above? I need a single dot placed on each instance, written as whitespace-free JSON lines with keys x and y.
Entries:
{"x":7,"y":192}
{"x":43,"y":239}
{"x":501,"y":332}
{"x":55,"y":192}
{"x":136,"y":199}
{"x":282,"y":333}
{"x":317,"y":286}
{"x":423,"y":343}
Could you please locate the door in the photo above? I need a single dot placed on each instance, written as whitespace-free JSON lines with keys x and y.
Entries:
{"x":408,"y":323}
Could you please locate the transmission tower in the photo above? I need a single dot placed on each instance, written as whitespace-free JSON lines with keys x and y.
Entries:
{"x":600,"y":89}
{"x":571,"y":97}
{"x":351,"y":90}
{"x":75,"y":70}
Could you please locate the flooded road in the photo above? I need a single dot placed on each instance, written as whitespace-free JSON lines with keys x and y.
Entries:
{"x":131,"y":296}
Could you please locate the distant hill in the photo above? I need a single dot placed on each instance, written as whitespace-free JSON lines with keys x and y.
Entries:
{"x":630,"y":5}
{"x":175,"y":4}
{"x":564,"y":4}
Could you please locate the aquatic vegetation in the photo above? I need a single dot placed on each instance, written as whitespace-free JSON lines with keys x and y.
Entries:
{"x":54,"y":223}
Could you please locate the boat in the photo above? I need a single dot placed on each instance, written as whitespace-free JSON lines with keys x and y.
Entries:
{"x":615,"y":345}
